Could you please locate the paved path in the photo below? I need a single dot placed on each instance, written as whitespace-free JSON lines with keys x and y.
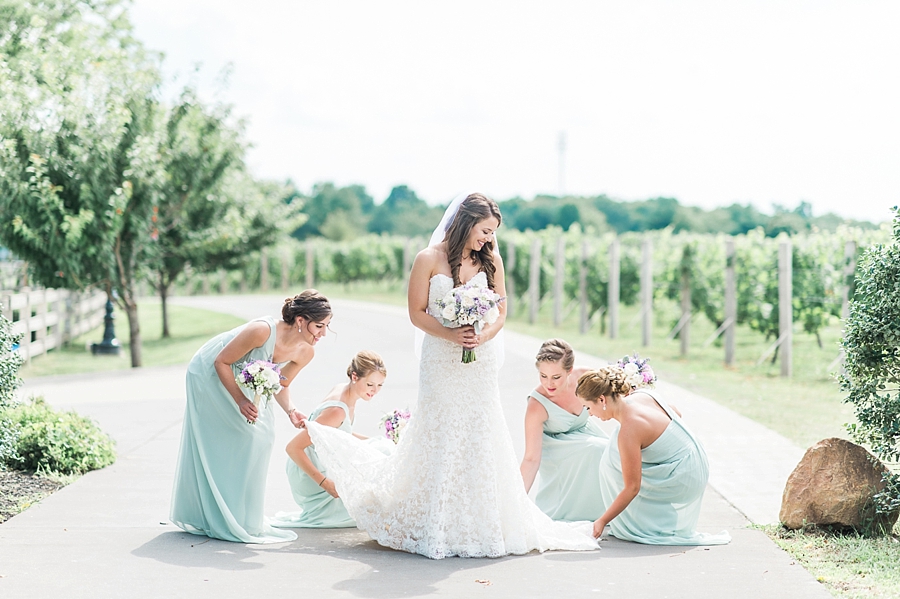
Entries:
{"x":107,"y":534}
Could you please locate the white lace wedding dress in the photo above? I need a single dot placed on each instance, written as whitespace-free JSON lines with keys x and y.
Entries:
{"x":453,"y":486}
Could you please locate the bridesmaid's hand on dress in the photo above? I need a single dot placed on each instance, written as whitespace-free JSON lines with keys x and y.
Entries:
{"x":328,"y":485}
{"x":298,"y":419}
{"x":599,"y":525}
{"x":248,"y":410}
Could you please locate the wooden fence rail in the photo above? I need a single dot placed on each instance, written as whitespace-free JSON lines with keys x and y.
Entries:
{"x":48,"y":318}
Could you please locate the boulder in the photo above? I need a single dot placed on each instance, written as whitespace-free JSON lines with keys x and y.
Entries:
{"x":833,"y":486}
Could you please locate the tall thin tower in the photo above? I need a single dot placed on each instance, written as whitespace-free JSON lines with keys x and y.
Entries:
{"x":562,"y":163}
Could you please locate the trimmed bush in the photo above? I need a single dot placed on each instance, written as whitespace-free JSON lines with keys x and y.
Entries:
{"x":58,"y":442}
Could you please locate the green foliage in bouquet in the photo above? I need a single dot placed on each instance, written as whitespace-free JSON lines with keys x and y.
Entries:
{"x":58,"y":442}
{"x":871,"y":344}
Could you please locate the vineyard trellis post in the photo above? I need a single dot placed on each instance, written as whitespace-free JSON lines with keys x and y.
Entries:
{"x":582,"y":288}
{"x":204,"y":288}
{"x":310,"y":264}
{"x":848,"y":272}
{"x":285,"y":270}
{"x":646,"y":291}
{"x":785,"y":306}
{"x":730,"y":302}
{"x":223,"y":281}
{"x":407,"y":260}
{"x":613,"y":288}
{"x":558,"y":280}
{"x":510,"y":280}
{"x":534,"y":281}
{"x":263,"y":270}
{"x":684,"y":335}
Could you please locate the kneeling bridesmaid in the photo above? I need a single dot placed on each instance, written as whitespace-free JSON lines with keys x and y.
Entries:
{"x":654,"y":471}
{"x":563,"y":446}
{"x":312,"y":489}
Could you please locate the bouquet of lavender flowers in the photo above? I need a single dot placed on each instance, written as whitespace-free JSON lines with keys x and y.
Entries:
{"x":263,"y":378}
{"x":637,"y":371}
{"x":394,"y":423}
{"x":469,"y":304}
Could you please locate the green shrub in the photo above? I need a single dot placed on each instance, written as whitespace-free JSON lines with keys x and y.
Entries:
{"x":10,"y":362}
{"x":59,"y":442}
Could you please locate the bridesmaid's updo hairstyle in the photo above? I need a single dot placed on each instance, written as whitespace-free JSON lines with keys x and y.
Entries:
{"x":608,"y":381}
{"x":556,"y":350}
{"x":474,"y":209}
{"x":365,"y":363}
{"x":310,"y":304}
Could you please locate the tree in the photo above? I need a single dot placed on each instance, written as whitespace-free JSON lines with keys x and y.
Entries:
{"x":404,"y":213}
{"x":337,"y":213}
{"x":199,"y":152}
{"x":78,"y":147}
{"x":871,"y":345}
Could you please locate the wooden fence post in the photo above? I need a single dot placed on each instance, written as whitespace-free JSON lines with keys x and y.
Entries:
{"x":559,"y":279}
{"x":582,"y":288}
{"x":730,"y":302}
{"x":285,"y":270}
{"x":310,"y":264}
{"x":510,"y":268}
{"x":785,"y":307}
{"x":25,"y":318}
{"x":646,"y":291}
{"x":534,"y":281}
{"x":223,"y":281}
{"x":613,"y":287}
{"x":684,"y":335}
{"x":263,"y":270}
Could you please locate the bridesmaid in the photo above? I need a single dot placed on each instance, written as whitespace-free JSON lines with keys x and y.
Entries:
{"x":561,"y":442}
{"x":312,"y":489}
{"x":654,"y":471}
{"x":220,"y":481}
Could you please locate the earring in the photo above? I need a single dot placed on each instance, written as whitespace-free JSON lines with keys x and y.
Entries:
{"x":604,"y":406}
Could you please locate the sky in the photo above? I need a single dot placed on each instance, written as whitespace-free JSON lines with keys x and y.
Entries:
{"x":710,"y":102}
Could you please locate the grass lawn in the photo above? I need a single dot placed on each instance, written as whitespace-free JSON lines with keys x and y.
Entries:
{"x":190,"y":327}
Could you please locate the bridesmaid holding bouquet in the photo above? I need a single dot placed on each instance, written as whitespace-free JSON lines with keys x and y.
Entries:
{"x":227,"y":438}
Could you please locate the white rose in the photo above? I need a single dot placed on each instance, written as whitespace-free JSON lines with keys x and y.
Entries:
{"x":270,"y":377}
{"x":635,"y":380}
{"x":492,"y":315}
{"x":448,"y":313}
{"x":253,"y":368}
{"x":630,"y":369}
{"x":467,"y":301}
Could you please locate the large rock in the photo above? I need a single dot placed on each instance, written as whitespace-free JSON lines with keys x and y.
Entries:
{"x":833,"y":485}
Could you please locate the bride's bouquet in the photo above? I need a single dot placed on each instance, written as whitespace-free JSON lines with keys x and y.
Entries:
{"x":394,"y":423}
{"x":638,"y":373}
{"x":469,"y":304}
{"x":263,"y":378}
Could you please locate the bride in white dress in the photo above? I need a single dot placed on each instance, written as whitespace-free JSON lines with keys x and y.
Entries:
{"x":453,"y":486}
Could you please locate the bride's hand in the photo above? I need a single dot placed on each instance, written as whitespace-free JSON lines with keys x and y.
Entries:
{"x":465,"y":336}
{"x":297,"y":419}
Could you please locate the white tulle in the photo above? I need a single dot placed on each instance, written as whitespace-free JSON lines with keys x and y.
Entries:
{"x":453,"y":486}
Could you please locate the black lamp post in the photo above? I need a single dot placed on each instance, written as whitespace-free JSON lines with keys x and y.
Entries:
{"x":110,"y":345}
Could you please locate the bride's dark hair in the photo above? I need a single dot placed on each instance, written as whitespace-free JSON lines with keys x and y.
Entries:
{"x":474,"y":209}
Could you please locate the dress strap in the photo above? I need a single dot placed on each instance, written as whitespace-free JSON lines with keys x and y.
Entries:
{"x":543,"y":401}
{"x":333,"y":404}
{"x":672,"y":415}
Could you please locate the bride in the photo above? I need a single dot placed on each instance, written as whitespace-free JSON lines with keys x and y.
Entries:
{"x":453,"y":486}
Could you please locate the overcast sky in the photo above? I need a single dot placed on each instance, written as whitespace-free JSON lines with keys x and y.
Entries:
{"x":709,"y":102}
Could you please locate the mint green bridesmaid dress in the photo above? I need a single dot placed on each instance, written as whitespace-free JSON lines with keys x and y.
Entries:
{"x":220,"y":482}
{"x":674,"y":473}
{"x":572,"y":446}
{"x":320,"y":509}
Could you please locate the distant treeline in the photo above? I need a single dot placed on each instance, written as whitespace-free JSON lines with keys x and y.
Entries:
{"x":341,"y":213}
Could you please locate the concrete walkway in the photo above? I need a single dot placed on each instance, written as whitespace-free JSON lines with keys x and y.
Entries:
{"x":107,"y":534}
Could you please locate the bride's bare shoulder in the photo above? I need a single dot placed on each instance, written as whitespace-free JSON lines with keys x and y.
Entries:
{"x":432,"y":258}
